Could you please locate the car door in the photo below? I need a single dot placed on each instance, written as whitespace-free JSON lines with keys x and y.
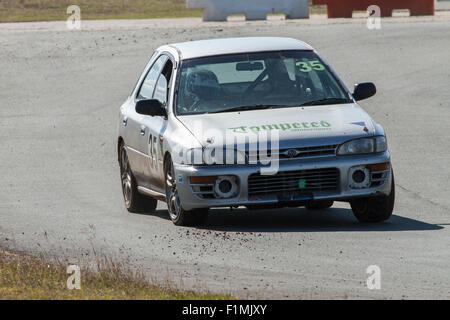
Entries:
{"x":155,"y":126}
{"x":137,"y":125}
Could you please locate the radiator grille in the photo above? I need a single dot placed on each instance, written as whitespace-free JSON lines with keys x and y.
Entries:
{"x":302,"y":180}
{"x":296,"y":153}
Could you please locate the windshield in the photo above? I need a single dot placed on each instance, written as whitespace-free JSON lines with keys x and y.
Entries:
{"x":255,"y":81}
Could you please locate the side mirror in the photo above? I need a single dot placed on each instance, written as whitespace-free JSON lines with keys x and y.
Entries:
{"x":151,"y":107}
{"x":364,"y":90}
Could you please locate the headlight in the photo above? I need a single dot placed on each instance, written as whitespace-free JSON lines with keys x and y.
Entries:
{"x":380,"y":144}
{"x":363,"y":146}
{"x":211,"y":156}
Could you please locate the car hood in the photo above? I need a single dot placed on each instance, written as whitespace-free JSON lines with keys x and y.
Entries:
{"x":296,"y":127}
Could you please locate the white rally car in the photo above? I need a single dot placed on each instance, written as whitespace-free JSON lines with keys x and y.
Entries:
{"x":254,"y":122}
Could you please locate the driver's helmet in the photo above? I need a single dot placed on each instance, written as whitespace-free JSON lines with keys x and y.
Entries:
{"x":203,"y":84}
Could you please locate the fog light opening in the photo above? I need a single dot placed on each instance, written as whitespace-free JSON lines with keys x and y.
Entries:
{"x":226,"y":187}
{"x":359,"y":178}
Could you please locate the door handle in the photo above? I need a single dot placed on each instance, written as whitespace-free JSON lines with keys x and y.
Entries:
{"x":143,"y":131}
{"x":125,"y":121}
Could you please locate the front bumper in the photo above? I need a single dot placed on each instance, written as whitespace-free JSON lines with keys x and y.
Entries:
{"x":190,"y":200}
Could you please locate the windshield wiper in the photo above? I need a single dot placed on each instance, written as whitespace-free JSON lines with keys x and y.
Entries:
{"x":246,"y":108}
{"x":325,"y":102}
{"x":271,"y":106}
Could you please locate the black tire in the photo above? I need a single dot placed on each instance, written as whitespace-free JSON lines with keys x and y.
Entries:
{"x":375,"y":209}
{"x":134,"y":201}
{"x":319,"y":205}
{"x":178,"y":215}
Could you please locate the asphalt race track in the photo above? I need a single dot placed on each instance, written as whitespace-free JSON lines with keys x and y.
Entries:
{"x":60,"y":94}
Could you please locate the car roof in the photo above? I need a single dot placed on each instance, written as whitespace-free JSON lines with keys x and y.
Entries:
{"x":213,"y":47}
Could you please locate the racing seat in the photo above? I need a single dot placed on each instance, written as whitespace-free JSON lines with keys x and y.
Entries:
{"x":203,"y":90}
{"x":203,"y":84}
{"x":279,"y":78}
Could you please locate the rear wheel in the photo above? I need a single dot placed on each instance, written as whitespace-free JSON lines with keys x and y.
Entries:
{"x":134,"y":201}
{"x":375,"y":209}
{"x":319,"y":205}
{"x":178,"y":215}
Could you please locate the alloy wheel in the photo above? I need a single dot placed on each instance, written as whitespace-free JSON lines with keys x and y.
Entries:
{"x":173,"y":200}
{"x":125,"y":177}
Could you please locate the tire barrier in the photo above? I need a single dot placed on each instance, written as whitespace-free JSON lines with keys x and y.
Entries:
{"x":345,"y":8}
{"x":218,"y":10}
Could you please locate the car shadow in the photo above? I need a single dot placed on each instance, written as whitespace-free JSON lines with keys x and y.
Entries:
{"x":301,"y":220}
{"x":160,"y":213}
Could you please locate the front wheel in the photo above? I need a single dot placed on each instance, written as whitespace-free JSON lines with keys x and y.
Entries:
{"x":375,"y":209}
{"x":178,"y":215}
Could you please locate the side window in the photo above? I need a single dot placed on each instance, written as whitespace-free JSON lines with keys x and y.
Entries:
{"x":162,"y":86}
{"x":148,"y":86}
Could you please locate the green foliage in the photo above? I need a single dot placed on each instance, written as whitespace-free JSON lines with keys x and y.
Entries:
{"x":23,"y":277}
{"x":47,"y":10}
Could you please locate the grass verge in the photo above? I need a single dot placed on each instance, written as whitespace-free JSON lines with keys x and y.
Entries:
{"x":51,"y":10}
{"x":28,"y":278}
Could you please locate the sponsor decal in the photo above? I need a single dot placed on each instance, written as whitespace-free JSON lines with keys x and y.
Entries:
{"x":302,"y":183}
{"x":362,"y":124}
{"x":294,"y":126}
{"x":308,"y":66}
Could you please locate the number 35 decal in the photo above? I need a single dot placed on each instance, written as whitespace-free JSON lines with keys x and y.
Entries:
{"x":310,"y":65}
